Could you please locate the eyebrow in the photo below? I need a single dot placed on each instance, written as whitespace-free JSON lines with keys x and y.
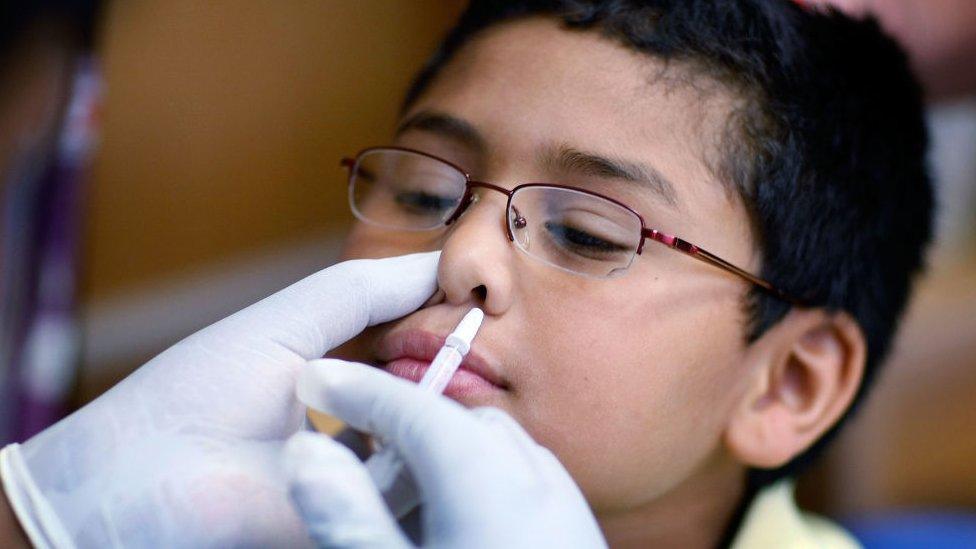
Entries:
{"x":561,"y":157}
{"x":595,"y":165}
{"x":446,"y":125}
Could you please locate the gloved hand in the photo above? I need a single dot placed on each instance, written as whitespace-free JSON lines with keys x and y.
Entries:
{"x":484,"y":481}
{"x":187,"y":450}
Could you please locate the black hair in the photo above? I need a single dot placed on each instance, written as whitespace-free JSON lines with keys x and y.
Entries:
{"x":76,"y":18}
{"x":827,"y":151}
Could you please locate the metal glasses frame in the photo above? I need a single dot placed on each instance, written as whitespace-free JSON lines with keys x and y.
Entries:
{"x":671,"y":241}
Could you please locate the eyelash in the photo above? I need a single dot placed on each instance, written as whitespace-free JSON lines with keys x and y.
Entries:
{"x":590,"y":242}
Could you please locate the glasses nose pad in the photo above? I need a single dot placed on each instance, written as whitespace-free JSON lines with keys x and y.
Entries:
{"x":519,"y":224}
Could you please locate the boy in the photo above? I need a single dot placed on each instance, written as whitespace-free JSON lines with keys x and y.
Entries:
{"x":782,"y":147}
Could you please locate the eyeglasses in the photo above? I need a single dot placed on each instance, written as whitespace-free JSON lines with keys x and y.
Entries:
{"x":572,"y":229}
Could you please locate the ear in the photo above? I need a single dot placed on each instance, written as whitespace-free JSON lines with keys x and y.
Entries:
{"x":805,"y":372}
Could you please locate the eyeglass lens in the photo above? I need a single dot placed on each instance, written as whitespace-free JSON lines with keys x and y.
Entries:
{"x":566,"y":228}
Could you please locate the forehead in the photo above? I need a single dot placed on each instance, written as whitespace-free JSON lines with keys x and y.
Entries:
{"x":529,"y":85}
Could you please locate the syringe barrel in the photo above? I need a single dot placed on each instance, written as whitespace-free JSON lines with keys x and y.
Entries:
{"x":442,"y":368}
{"x":386,"y":466}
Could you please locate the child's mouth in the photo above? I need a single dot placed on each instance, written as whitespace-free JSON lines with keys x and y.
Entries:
{"x":408,"y":354}
{"x":464,"y":383}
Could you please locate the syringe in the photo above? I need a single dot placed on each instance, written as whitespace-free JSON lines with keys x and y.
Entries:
{"x":386,"y":466}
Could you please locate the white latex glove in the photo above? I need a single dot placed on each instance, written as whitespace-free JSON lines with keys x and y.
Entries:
{"x":187,"y":450}
{"x":483,"y":481}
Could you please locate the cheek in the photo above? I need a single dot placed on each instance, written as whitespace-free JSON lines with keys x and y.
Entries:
{"x":627,"y":395}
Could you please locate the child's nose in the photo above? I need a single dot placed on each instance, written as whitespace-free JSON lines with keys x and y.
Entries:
{"x":477,"y":258}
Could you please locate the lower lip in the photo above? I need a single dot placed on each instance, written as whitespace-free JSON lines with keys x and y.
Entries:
{"x":464,"y":383}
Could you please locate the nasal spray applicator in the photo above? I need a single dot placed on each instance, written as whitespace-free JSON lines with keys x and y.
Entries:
{"x":386,"y":466}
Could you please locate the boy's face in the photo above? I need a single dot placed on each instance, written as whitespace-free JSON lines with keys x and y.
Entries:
{"x":629,"y":380}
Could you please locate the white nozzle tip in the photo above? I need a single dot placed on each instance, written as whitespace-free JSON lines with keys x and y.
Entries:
{"x":464,"y":334}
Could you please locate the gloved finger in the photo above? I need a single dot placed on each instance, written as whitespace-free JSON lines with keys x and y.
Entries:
{"x":335,"y":495}
{"x":463,"y":461}
{"x":326,"y":309}
{"x":432,"y":433}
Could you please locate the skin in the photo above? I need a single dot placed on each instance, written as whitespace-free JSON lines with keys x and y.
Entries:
{"x":9,"y":527}
{"x":643,"y":385}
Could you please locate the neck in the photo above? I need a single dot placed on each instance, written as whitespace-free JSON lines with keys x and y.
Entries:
{"x":695,"y":514}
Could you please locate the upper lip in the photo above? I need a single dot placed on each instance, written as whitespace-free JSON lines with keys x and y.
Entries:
{"x":422,"y":345}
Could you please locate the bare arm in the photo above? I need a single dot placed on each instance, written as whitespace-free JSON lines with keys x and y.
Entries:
{"x":10,"y":530}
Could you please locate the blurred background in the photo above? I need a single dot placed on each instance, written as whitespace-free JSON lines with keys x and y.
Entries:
{"x":218,"y":178}
{"x":217,"y":182}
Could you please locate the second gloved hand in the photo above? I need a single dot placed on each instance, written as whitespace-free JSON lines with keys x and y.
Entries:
{"x":484,"y":481}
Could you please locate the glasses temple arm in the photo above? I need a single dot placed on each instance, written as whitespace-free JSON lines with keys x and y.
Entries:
{"x":705,"y":256}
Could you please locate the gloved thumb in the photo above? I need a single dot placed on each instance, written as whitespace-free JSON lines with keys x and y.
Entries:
{"x":336,"y":497}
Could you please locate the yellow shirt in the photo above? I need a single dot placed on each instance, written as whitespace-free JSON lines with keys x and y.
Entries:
{"x":773,"y":520}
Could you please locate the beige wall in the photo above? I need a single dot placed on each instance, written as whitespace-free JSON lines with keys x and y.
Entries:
{"x":225,"y":121}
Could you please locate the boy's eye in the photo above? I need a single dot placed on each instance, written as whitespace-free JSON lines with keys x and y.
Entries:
{"x":421,"y":202}
{"x":580,"y":241}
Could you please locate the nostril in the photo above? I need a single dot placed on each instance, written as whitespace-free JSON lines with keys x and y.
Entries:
{"x":481,"y":292}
